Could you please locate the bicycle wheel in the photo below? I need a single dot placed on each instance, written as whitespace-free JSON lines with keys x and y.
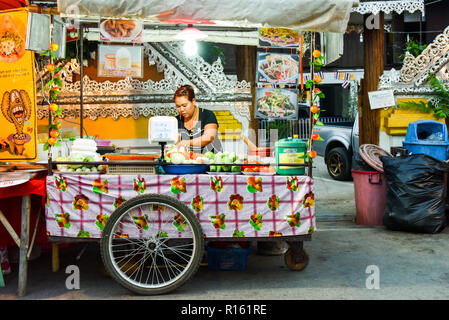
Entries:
{"x":152,"y":244}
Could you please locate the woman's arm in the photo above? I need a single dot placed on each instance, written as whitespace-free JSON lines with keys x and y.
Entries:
{"x":210,"y":130}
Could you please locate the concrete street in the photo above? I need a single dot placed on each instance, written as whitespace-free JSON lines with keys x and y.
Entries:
{"x":344,"y":259}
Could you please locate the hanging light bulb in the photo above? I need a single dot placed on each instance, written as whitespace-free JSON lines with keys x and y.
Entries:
{"x":190,"y":47}
{"x":190,"y":35}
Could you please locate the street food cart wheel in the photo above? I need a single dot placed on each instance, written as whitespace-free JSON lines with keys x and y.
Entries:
{"x":296,"y":258}
{"x":141,"y":247}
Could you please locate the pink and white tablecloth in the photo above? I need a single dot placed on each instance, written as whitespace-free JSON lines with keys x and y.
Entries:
{"x":225,"y":205}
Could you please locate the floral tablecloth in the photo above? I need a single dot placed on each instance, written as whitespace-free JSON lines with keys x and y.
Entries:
{"x":225,"y":205}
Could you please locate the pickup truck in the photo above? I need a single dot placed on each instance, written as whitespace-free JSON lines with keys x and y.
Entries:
{"x":338,"y":147}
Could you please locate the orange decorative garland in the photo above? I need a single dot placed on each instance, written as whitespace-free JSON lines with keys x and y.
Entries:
{"x":53,"y":87}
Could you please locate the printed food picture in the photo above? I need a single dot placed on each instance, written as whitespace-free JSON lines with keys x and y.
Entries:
{"x":276,"y":103}
{"x":120,"y":61}
{"x":278,"y":68}
{"x":118,"y":28}
{"x":279,"y":37}
{"x":12,"y":41}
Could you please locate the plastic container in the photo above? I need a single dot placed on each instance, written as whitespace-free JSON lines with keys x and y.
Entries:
{"x":260,"y":152}
{"x":370,"y":190}
{"x":103,"y":143}
{"x":427,"y":137}
{"x":290,"y":150}
{"x":227,"y":259}
{"x":185,"y":169}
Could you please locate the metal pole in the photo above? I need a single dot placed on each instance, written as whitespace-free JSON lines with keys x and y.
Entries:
{"x":24,"y":236}
{"x":420,"y":29}
{"x":81,"y":80}
{"x":312,"y":72}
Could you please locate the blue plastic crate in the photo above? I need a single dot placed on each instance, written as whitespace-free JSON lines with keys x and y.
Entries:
{"x":227,"y":258}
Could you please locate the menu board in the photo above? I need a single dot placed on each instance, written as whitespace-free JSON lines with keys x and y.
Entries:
{"x":277,"y":68}
{"x":278,"y":37}
{"x":120,"y":61}
{"x":120,"y":30}
{"x":275,"y":103}
{"x":17,"y":89}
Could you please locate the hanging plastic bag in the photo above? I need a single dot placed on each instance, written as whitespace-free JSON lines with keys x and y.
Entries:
{"x":415,"y":193}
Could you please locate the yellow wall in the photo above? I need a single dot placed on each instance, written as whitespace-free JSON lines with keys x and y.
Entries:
{"x":395,"y":121}
{"x":129,"y":128}
{"x":107,"y":128}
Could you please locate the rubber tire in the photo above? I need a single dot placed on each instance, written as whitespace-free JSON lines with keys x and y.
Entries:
{"x":162,"y":199}
{"x":346,"y":164}
{"x":288,"y":259}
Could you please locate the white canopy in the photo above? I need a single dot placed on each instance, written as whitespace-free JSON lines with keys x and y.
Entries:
{"x":301,"y":15}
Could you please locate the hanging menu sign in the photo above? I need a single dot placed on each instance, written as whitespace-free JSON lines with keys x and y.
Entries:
{"x":278,"y":37}
{"x":275,"y":103}
{"x":120,"y":61}
{"x":120,"y":30}
{"x":277,"y":68}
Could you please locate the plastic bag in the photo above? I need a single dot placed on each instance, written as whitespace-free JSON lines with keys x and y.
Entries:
{"x":359,"y":164}
{"x":415,"y":193}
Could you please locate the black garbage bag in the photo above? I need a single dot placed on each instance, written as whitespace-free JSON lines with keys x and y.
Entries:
{"x":415,"y":193}
{"x":359,"y":164}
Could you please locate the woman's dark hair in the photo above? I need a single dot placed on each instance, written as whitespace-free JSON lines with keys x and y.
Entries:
{"x":185,"y":90}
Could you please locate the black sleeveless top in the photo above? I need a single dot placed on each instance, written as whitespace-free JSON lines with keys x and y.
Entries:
{"x":205,"y":117}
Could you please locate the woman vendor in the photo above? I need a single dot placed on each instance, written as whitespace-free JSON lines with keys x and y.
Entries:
{"x":198,"y":127}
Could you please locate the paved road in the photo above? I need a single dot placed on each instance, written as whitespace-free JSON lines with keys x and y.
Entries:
{"x":334,"y":200}
{"x":410,"y":266}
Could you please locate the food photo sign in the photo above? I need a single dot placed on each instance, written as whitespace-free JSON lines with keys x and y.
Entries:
{"x":278,"y":69}
{"x":278,"y":37}
{"x":120,"y":30}
{"x":120,"y":61}
{"x":276,"y":103}
{"x":17,"y":89}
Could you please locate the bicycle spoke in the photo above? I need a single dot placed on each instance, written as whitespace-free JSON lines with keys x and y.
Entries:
{"x":142,"y":258}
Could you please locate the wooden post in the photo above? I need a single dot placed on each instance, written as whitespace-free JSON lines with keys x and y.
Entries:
{"x":373,"y":61}
{"x":24,"y":235}
{"x":246,"y":70}
{"x":55,"y":257}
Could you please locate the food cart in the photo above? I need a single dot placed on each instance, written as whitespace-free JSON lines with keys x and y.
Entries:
{"x":153,"y":225}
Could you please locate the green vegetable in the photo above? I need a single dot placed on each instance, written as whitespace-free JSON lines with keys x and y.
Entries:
{"x":226,"y":168}
{"x":213,"y":168}
{"x":235,"y":168}
{"x":226,"y":159}
{"x":217,"y":158}
{"x":177,"y":158}
{"x":210,"y":155}
{"x":89,"y":159}
{"x":76,"y":157}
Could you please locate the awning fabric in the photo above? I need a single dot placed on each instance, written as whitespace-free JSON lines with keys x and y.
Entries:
{"x":12,"y":4}
{"x":301,"y":15}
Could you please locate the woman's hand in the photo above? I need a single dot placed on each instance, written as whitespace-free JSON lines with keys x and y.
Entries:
{"x":183,"y":143}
